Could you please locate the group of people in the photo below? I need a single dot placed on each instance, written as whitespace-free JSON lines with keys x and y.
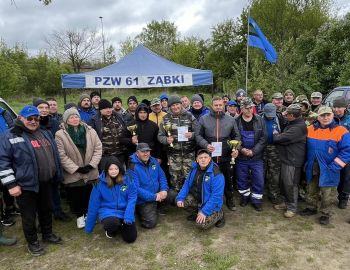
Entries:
{"x":115,"y":163}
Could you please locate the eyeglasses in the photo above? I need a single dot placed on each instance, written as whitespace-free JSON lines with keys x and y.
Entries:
{"x":31,"y":118}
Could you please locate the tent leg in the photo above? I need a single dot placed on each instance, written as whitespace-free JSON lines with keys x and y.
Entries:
{"x":64,"y":96}
{"x":212,"y":90}
{"x":100,"y":93}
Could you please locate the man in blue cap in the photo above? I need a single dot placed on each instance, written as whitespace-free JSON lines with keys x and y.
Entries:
{"x":29,"y":164}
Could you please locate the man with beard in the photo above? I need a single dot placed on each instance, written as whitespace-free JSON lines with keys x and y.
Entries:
{"x":181,"y":148}
{"x":51,"y":124}
{"x":214,"y":130}
{"x":85,"y":109}
{"x":29,"y":163}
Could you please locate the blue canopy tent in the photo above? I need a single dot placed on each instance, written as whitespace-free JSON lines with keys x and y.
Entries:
{"x":141,"y":68}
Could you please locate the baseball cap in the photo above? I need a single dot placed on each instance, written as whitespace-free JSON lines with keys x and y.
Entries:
{"x":293,"y":108}
{"x":29,"y":110}
{"x":324,"y":110}
{"x":316,"y":95}
{"x":201,"y":151}
{"x":277,"y":95}
{"x":143,"y":147}
{"x":155,"y":101}
{"x":247,"y":103}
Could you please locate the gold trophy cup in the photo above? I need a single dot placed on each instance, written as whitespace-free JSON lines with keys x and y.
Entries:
{"x":167,"y":128}
{"x":132,"y":129}
{"x":234,"y":144}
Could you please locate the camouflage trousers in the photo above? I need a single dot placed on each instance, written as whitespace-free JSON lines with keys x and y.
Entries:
{"x":179,"y":168}
{"x":272,"y":173}
{"x":192,"y":206}
{"x":321,"y":198}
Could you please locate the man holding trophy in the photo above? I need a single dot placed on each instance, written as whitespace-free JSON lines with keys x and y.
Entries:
{"x":177,"y":132}
{"x":144,"y":130}
{"x":216,"y":132}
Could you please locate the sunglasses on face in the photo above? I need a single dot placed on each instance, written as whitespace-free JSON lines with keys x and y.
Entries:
{"x":31,"y":118}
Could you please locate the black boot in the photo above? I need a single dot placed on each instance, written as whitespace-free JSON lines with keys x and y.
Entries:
{"x":244,"y":201}
{"x":230,"y":202}
{"x":221,"y":222}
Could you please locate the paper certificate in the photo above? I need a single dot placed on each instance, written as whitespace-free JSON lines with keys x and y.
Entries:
{"x":181,"y":131}
{"x":218,"y":149}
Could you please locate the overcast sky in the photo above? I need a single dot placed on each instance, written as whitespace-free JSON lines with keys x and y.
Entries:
{"x":28,"y":21}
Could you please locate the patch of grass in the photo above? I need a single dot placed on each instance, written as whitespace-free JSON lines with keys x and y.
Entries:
{"x":310,"y":259}
{"x":217,"y":261}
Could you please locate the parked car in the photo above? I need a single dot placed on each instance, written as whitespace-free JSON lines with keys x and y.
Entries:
{"x":7,"y":107}
{"x":343,"y":91}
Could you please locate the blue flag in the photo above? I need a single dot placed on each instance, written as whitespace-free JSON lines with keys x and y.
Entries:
{"x":257,"y":39}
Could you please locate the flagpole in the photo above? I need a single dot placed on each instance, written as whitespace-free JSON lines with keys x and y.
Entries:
{"x":247,"y":57}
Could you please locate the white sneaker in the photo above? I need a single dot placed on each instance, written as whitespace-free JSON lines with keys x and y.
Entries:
{"x":81,"y":222}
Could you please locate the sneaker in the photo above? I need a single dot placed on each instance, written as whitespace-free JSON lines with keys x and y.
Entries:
{"x":220,"y":223}
{"x":52,"y":239}
{"x":36,"y":249}
{"x":244,"y":201}
{"x":4,"y":241}
{"x":281,"y":206}
{"x":257,"y":206}
{"x":308,"y":212}
{"x":289,"y":214}
{"x":62,"y":216}
{"x":324,"y":220}
{"x":8,"y":221}
{"x":81,"y":222}
{"x":230,"y":203}
{"x":192,"y":217}
{"x":343,"y":204}
{"x":108,"y":236}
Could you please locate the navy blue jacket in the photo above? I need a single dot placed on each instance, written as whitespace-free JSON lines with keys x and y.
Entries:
{"x":18,"y":165}
{"x":260,"y":137}
{"x":212,"y":188}
{"x":117,"y":201}
{"x":149,"y":178}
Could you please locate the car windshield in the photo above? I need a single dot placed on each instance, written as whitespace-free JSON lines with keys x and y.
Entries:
{"x":7,"y":108}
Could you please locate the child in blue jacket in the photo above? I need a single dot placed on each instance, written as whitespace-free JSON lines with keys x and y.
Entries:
{"x":113,"y":201}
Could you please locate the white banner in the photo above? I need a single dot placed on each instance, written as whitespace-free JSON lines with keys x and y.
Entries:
{"x":138,"y":81}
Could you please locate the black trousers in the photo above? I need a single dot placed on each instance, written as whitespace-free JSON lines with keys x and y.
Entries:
{"x":148,"y":213}
{"x":30,"y":204}
{"x":344,"y":184}
{"x":227,"y":172}
{"x":113,"y":224}
{"x":78,"y":199}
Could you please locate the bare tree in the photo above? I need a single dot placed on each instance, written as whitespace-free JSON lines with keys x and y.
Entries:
{"x":75,"y":46}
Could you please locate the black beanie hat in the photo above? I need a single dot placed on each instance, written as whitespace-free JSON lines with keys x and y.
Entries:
{"x":104,"y":104}
{"x":117,"y":99}
{"x":94,"y":93}
{"x":38,"y":101}
{"x":70,"y":105}
{"x":113,"y":160}
{"x":132,"y":98}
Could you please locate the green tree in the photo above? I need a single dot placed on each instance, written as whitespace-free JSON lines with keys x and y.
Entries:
{"x":160,"y":37}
